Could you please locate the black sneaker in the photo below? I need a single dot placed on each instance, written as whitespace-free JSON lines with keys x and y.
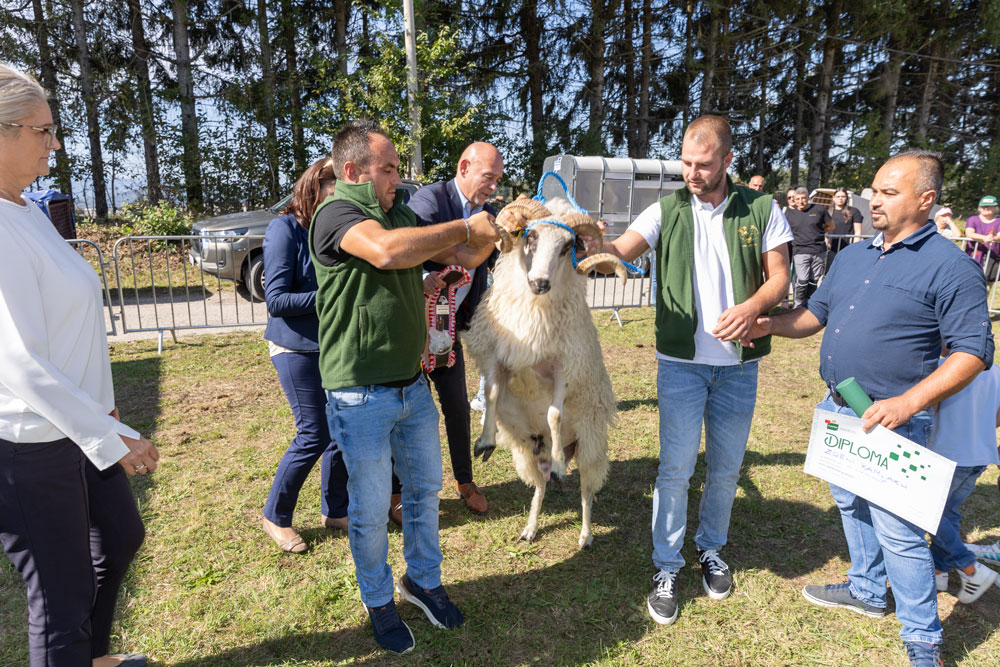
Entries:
{"x":839,"y":595}
{"x":715,"y":576}
{"x":390,"y":631}
{"x":922,"y":654}
{"x":434,"y":603}
{"x":662,"y":599}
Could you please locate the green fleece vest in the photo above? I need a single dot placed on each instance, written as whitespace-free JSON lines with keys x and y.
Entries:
{"x":372,"y":322}
{"x":744,"y":221}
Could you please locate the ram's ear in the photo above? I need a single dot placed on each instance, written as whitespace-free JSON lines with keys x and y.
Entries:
{"x":603,"y":262}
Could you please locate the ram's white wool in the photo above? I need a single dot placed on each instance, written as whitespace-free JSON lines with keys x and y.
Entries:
{"x":548,"y":395}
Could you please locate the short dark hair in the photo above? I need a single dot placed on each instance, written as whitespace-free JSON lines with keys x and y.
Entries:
{"x":353,"y":144}
{"x":715,"y":127}
{"x":930,"y":169}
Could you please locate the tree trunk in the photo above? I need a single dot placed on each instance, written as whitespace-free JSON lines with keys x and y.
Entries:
{"x":63,"y":173}
{"x":927,"y":94}
{"x":688,"y":14}
{"x":820,"y":126}
{"x":341,"y":10}
{"x":531,"y":34}
{"x":594,"y":56}
{"x":270,"y":93}
{"x":190,"y":160}
{"x":891,"y":89}
{"x":800,"y":103}
{"x":631,"y":131}
{"x":147,"y":114}
{"x":294,"y":85}
{"x":708,"y":81}
{"x":90,"y":105}
{"x":642,"y":142}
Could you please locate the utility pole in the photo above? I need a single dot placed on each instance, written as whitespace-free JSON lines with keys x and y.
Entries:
{"x":409,"y":38}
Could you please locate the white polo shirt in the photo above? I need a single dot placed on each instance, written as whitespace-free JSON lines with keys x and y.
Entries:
{"x":713,"y":281}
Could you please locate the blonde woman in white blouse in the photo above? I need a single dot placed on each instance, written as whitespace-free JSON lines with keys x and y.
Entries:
{"x":68,"y":520}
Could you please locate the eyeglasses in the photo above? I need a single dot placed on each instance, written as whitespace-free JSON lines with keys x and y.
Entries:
{"x":48,"y":129}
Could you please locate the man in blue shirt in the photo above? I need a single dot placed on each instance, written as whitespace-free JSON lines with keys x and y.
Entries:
{"x":887,"y":306}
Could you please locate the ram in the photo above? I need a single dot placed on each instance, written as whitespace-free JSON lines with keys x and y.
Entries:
{"x":548,"y":395}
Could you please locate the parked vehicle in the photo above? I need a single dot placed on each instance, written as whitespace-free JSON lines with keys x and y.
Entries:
{"x":230,"y":246}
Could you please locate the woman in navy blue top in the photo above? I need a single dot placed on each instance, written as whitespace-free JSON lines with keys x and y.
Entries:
{"x":290,"y":293}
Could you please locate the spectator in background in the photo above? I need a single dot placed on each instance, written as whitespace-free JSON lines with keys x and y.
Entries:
{"x":809,"y":223}
{"x":983,"y":229}
{"x":846,"y":221}
{"x":757,"y":183}
{"x":293,"y":343}
{"x":945,"y":225}
{"x":789,"y":199}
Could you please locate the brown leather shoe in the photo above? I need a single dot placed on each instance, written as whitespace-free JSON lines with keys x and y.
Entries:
{"x":339,"y":522}
{"x":473,"y":497}
{"x":396,"y":508}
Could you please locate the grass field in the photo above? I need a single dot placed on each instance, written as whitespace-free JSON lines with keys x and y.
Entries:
{"x":209,"y":589}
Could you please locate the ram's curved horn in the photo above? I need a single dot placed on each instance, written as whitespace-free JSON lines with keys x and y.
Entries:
{"x":603,"y":262}
{"x":517,"y":214}
{"x":584,"y":225}
{"x":506,"y":242}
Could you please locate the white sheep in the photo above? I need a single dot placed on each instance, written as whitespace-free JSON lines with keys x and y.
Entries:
{"x":548,"y":395}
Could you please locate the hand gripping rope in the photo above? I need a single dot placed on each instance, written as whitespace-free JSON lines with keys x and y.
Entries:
{"x":539,"y":197}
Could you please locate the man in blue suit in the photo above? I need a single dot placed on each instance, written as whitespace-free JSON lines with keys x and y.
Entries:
{"x":479,"y":171}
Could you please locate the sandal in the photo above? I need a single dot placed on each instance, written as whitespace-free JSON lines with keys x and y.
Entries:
{"x":296,"y":545}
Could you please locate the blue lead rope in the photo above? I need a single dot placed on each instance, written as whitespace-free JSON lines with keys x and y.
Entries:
{"x":539,"y":197}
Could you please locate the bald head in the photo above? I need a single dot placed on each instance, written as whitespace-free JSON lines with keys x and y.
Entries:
{"x":711,"y":130}
{"x":479,"y":171}
{"x":757,"y":183}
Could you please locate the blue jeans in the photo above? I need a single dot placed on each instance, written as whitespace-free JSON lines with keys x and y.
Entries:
{"x":377,"y":427}
{"x":724,"y":398}
{"x":947,"y":547}
{"x":881,"y":544}
{"x":298,"y":373}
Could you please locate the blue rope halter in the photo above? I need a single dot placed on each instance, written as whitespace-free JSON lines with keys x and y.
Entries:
{"x":539,"y":197}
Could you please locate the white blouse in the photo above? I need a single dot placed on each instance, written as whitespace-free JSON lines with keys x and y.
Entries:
{"x":55,"y":372}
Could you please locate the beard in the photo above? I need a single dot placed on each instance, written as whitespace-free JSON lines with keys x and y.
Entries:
{"x":709,"y":186}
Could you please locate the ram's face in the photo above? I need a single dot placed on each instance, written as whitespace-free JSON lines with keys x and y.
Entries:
{"x":543,"y":247}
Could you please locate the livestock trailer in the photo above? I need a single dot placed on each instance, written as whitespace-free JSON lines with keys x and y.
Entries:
{"x":613,"y":189}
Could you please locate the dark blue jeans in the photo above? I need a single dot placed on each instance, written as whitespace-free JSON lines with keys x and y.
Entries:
{"x":299,"y":376}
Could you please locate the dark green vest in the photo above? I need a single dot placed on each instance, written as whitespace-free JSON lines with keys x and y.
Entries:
{"x":744,"y":221}
{"x":372,"y":322}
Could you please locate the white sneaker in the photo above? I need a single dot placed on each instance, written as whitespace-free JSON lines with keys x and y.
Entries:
{"x":986,"y":552}
{"x":973,"y":587}
{"x":941,"y":578}
{"x":477,"y":404}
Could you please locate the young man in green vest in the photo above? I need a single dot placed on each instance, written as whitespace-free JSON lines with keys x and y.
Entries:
{"x":367,"y":248}
{"x":722,"y":260}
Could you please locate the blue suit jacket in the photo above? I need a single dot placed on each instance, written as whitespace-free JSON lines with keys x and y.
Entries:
{"x":290,"y":286}
{"x":439,"y":202}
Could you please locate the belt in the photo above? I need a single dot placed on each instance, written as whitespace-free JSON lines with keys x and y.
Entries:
{"x":839,"y":400}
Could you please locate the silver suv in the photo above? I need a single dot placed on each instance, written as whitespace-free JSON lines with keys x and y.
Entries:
{"x":230,"y":246}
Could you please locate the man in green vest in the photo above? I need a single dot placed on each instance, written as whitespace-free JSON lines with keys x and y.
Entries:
{"x":721,"y":260}
{"x":367,"y":248}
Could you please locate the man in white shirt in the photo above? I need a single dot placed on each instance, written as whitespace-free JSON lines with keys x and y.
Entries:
{"x":722,"y":260}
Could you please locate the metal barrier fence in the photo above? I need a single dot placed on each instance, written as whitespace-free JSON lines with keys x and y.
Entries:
{"x":158,"y":287}
{"x":82,"y":246}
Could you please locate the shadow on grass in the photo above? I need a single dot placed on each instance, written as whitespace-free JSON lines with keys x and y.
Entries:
{"x":600,"y":588}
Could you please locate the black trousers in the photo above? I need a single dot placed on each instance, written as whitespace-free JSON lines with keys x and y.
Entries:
{"x":449,"y":382}
{"x":71,"y":531}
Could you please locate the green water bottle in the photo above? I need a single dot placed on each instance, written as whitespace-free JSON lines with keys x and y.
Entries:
{"x":854,"y":395}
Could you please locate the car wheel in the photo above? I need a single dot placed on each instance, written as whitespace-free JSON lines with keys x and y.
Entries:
{"x":643,"y":264}
{"x":254,"y":277}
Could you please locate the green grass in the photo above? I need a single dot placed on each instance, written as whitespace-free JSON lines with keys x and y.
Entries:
{"x":209,"y":589}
